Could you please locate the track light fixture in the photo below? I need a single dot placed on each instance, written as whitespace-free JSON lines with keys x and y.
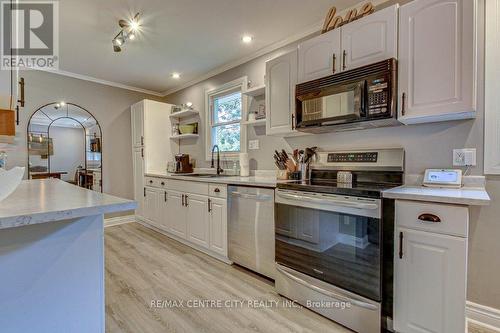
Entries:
{"x":129,"y":30}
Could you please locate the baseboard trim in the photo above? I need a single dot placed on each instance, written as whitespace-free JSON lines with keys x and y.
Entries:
{"x":484,"y":316}
{"x":119,"y":220}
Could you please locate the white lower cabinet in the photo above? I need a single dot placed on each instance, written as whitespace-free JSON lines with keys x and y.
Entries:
{"x":151,"y":207}
{"x":218,"y":225}
{"x":176,"y":216}
{"x":430,"y":268}
{"x":190,"y":211}
{"x":197,"y":220}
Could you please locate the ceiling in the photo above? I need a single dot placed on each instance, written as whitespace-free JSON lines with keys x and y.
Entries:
{"x":191,"y":37}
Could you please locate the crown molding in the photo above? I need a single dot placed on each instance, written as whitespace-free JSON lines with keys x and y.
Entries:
{"x":103,"y":82}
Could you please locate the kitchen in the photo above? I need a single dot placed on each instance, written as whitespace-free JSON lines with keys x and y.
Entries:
{"x":203,"y":219}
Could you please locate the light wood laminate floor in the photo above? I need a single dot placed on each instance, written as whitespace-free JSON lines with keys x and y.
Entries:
{"x":143,"y":265}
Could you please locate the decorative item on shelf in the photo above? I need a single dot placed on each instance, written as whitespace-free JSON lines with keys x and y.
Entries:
{"x":244,"y":165}
{"x":95,"y":144}
{"x":261,"y":112}
{"x":175,"y":129}
{"x":333,"y":21}
{"x":252,"y":116}
{"x":175,"y":109}
{"x":188,"y":128}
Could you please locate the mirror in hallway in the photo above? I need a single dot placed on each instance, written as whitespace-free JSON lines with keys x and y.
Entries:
{"x":65,"y":142}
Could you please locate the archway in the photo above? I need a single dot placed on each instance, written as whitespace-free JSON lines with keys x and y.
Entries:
{"x":65,"y":141}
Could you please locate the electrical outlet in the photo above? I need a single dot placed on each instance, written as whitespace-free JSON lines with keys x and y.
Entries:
{"x":464,"y":157}
{"x":253,"y":144}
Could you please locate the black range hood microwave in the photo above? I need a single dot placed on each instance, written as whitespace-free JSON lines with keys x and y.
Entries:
{"x":360,"y":98}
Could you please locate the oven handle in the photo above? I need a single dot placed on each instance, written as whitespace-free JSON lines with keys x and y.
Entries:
{"x":328,"y":293}
{"x":259,"y":197}
{"x":328,"y":201}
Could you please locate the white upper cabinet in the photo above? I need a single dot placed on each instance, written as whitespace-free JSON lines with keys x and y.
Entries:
{"x":319,"y":56}
{"x":137,"y":124}
{"x":281,"y":78}
{"x":492,"y":87}
{"x":150,"y":129}
{"x":370,"y":39}
{"x":437,"y":75}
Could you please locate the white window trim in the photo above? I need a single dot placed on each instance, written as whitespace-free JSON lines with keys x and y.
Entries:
{"x":241,"y":83}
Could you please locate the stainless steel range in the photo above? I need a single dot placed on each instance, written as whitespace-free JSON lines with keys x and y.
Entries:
{"x":334,"y":237}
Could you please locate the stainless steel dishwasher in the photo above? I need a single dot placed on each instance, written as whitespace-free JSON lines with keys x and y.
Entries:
{"x":251,"y":228}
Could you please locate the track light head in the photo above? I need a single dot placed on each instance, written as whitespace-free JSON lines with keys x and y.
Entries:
{"x":128,"y":32}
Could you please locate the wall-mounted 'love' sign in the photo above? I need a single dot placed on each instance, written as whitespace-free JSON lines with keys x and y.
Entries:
{"x":334,"y":21}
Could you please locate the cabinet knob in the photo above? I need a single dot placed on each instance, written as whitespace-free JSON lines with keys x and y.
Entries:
{"x":217,"y":190}
{"x":151,"y":182}
{"x":162,"y":183}
{"x":429,"y":218}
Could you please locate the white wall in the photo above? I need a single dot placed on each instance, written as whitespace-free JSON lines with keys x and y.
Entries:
{"x":109,"y":105}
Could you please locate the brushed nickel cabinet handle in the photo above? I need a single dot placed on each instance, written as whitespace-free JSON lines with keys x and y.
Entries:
{"x":403,"y":104}
{"x":183,"y":200}
{"x":334,"y":62}
{"x":209,"y":205}
{"x":401,"y":245}
{"x":165,"y":193}
{"x":142,"y":140}
{"x":187,"y":202}
{"x":429,"y":218}
{"x":344,"y":56}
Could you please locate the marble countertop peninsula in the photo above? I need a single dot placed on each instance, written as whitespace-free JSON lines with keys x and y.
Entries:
{"x":50,"y":200}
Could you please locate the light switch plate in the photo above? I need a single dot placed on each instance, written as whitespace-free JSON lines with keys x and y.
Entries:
{"x":253,"y":144}
{"x":464,"y":157}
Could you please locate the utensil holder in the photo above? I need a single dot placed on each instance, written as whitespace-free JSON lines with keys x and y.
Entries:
{"x":282,"y":174}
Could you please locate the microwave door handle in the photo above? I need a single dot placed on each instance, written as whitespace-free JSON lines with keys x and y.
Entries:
{"x":329,"y":293}
{"x":328,"y":201}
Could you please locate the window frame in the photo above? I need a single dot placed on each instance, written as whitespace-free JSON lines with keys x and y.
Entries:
{"x":233,"y":86}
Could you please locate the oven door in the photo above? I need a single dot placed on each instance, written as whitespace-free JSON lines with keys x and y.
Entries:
{"x":335,"y":104}
{"x":336,"y":239}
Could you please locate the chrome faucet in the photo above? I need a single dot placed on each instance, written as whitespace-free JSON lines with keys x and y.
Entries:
{"x":219,"y":169}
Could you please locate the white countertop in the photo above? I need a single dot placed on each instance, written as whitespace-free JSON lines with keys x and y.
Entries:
{"x":49,"y":200}
{"x":469,"y":196}
{"x":260,"y":181}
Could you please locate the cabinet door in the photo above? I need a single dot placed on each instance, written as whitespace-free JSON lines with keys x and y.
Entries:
{"x":430,"y":282}
{"x":281,"y":77}
{"x":176,"y":214}
{"x":138,"y":166}
{"x":319,"y":56}
{"x":436,"y":61}
{"x":370,"y":39}
{"x":218,"y":226}
{"x":163,"y":217}
{"x":197,"y":220}
{"x":137,"y":124}
{"x":151,"y":208}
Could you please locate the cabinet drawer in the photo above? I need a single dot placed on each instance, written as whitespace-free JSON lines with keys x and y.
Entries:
{"x":155,"y":182}
{"x":449,"y":219}
{"x":184,"y":186}
{"x":217,"y":190}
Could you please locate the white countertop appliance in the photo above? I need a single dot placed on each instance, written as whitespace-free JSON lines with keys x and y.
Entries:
{"x":334,"y":239}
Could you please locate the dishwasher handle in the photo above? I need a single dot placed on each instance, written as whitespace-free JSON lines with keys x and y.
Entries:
{"x":257,"y":197}
{"x":326,"y":201}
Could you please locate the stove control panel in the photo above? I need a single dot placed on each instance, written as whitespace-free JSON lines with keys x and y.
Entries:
{"x":368,"y":157}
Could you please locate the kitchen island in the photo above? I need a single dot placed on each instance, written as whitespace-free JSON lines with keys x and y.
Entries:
{"x":52,"y":257}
